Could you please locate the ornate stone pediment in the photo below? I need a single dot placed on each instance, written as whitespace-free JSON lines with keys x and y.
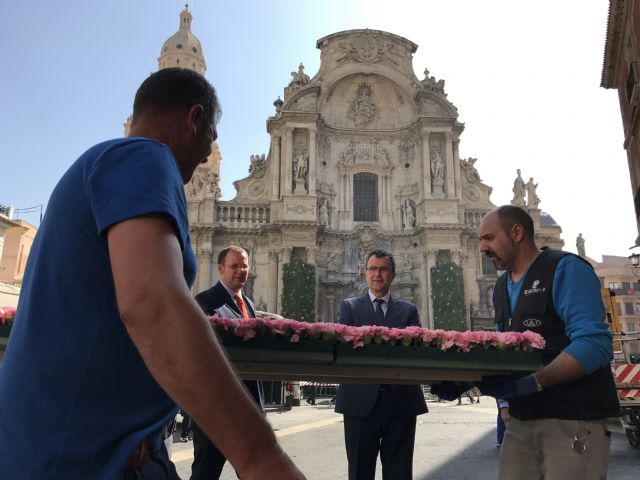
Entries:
{"x":430,"y":104}
{"x":367,"y":102}
{"x":365,"y":48}
{"x":303,"y":103}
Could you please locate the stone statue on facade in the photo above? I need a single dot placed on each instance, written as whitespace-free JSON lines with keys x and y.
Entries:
{"x":300,"y":168}
{"x":580,"y":246}
{"x":518,"y":191}
{"x":406,"y":265}
{"x":408,"y":215}
{"x":324,"y":213}
{"x":469,"y":169}
{"x":429,"y":83}
{"x":532,"y":197}
{"x":203,"y":183}
{"x":332,"y":263}
{"x":437,"y":171}
{"x":299,"y":78}
{"x":257,"y":166}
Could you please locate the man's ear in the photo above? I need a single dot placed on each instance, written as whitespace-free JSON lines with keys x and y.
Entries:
{"x":517,"y":232}
{"x":195,"y":117}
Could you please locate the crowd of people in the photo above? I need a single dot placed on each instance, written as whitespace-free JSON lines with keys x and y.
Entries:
{"x":111,"y":339}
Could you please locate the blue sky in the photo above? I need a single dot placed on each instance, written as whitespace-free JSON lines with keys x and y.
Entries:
{"x":525,"y":77}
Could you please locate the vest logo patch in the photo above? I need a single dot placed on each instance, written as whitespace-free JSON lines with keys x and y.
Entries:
{"x":535,"y":289}
{"x":532,"y":323}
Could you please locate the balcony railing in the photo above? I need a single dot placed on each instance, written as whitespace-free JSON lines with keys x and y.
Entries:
{"x":242,"y":216}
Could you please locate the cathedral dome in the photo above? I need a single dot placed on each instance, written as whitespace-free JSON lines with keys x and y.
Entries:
{"x":183,"y":48}
{"x":547,"y":220}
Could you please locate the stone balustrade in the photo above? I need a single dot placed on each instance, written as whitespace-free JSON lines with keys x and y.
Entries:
{"x":242,"y":216}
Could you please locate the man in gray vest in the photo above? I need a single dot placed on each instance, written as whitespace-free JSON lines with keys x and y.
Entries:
{"x":558,"y":415}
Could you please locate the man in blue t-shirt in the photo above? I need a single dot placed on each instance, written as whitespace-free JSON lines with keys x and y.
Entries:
{"x":557,"y":424}
{"x":107,"y":336}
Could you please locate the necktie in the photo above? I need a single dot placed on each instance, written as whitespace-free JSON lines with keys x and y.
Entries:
{"x":379,"y":312}
{"x":242,"y":306}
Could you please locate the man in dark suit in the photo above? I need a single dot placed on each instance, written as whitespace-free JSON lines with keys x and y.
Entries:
{"x":225,"y":299}
{"x":379,"y":418}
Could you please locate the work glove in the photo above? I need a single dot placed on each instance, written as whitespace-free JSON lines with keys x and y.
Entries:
{"x":508,"y":386}
{"x":449,"y":391}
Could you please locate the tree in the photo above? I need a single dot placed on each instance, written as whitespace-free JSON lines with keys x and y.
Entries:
{"x":299,"y":291}
{"x":447,"y":293}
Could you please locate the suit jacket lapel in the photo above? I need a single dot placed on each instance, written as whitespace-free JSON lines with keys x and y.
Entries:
{"x":229,"y":301}
{"x":251,"y":310}
{"x":371,"y":313}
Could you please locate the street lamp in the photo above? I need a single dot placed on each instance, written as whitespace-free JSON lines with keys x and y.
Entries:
{"x":635,"y":264}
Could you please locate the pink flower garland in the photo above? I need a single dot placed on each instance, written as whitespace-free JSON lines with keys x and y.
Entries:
{"x":6,"y":315}
{"x":361,"y":336}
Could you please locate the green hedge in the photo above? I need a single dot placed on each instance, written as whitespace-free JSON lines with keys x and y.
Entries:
{"x":299,"y":291}
{"x":447,"y":293}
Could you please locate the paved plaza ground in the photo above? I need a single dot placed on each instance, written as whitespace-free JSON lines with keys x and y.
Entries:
{"x":452,"y":442}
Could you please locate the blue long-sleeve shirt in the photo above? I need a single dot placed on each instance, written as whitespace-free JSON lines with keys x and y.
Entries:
{"x":577,"y":299}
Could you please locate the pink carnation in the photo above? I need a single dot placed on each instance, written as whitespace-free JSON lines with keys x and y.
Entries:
{"x":7,"y":312}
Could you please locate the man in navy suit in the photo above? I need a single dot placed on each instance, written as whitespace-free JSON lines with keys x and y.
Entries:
{"x":379,"y":418}
{"x":224,"y":299}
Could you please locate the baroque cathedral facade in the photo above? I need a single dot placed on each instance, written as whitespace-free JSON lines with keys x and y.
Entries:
{"x":363,"y":155}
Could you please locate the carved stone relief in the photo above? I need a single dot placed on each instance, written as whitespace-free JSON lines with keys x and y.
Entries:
{"x":365,"y":152}
{"x":407,"y":149}
{"x":300,"y":209}
{"x":407,"y":190}
{"x":305,"y":103}
{"x":204,"y":183}
{"x":471,"y":193}
{"x":324,"y":148}
{"x":256,"y":188}
{"x":365,"y":49}
{"x":363,"y":108}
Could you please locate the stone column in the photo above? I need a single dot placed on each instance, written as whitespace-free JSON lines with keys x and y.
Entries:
{"x":331,"y":309}
{"x":272,"y":298}
{"x":450,"y":187}
{"x":456,"y":168}
{"x":426,"y":164}
{"x":312,"y":161}
{"x":276,"y":167}
{"x":287,"y":175}
{"x":204,"y":270}
{"x":311,"y":255}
